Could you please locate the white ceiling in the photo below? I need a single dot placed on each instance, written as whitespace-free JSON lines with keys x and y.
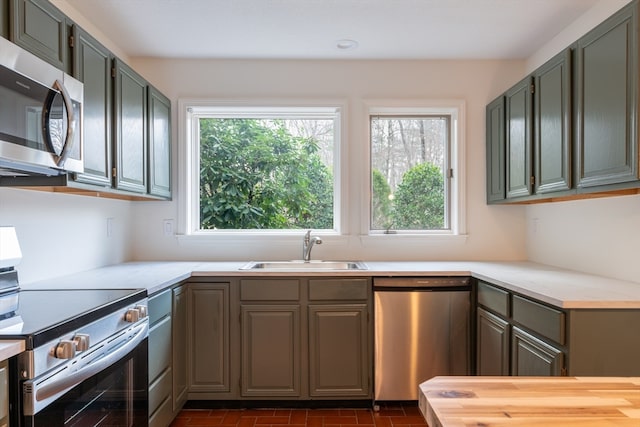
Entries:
{"x":384,"y":29}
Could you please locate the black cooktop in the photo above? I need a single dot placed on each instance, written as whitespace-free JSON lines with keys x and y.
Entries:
{"x":39,"y":316}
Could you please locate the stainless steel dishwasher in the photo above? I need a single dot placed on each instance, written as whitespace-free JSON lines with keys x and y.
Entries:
{"x":422,"y":329}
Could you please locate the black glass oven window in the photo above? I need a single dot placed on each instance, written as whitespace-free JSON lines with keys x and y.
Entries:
{"x":116,"y":396}
{"x":21,"y":108}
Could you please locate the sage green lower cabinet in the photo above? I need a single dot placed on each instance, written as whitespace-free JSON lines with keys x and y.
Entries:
{"x":271,"y":338}
{"x":533,"y":357}
{"x":208,"y":335}
{"x":160,"y":373}
{"x":270,"y":350}
{"x":179,"y":348}
{"x":519,"y":335}
{"x":492,"y":356}
{"x":340,"y":338}
{"x":338,"y":353}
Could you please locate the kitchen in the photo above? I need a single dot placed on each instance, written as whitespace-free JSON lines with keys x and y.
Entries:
{"x":593,"y":236}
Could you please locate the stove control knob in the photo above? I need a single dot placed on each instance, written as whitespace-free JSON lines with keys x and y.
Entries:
{"x":132,"y":315}
{"x":65,"y":349}
{"x":81,"y":341}
{"x":143,"y":311}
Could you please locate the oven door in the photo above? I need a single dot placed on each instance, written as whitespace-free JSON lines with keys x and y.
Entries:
{"x":115,"y":396}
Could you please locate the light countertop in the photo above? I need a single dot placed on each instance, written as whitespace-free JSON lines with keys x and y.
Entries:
{"x":11,"y":348}
{"x":531,"y":401}
{"x":558,"y":287}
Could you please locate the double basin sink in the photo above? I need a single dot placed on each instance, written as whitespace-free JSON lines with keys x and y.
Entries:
{"x":304,"y":265}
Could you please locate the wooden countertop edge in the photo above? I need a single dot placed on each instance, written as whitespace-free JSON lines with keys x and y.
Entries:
{"x":517,"y":401}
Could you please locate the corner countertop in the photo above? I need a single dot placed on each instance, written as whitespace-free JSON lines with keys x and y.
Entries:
{"x":559,"y":287}
{"x":540,"y":401}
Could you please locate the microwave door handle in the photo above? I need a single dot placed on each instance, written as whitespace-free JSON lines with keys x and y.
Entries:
{"x":71,"y":119}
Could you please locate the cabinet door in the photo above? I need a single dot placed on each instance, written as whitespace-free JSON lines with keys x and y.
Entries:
{"x":552,"y":124}
{"x":493,"y":344}
{"x":496,"y":151}
{"x":518,"y":137}
{"x":208,"y":326}
{"x":4,"y":394}
{"x":159,"y":144}
{"x":179,"y":334}
{"x":4,"y":18}
{"x":40,"y":28}
{"x":130,"y":97}
{"x":607,"y":75}
{"x":338,"y":350}
{"x":533,"y":357}
{"x":92,"y":65}
{"x":270,"y":350}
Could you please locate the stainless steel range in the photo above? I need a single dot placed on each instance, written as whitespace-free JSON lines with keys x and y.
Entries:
{"x":85,"y":362}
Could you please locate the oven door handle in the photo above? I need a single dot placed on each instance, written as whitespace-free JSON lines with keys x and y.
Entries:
{"x":44,"y":392}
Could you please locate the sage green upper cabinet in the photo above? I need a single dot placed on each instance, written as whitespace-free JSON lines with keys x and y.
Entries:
{"x":159,"y":144}
{"x":130,"y":98}
{"x":518,"y":139}
{"x":40,"y":28}
{"x":552,"y":125}
{"x":92,"y":65}
{"x":4,"y":18}
{"x":495,"y":151}
{"x":607,"y":101}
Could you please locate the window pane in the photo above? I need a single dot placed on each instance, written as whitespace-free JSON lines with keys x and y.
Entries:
{"x":264,"y":173}
{"x":409,"y":160}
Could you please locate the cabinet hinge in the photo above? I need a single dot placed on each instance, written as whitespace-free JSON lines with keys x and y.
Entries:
{"x":113,"y":72}
{"x":113,"y":172}
{"x":532,"y":180}
{"x":533,"y":88}
{"x":72,"y":41}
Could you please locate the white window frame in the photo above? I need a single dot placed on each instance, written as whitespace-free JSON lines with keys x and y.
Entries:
{"x":452,"y":108}
{"x":188,"y":156}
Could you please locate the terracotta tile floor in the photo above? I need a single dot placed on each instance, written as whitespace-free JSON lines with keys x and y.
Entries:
{"x":405,"y":415}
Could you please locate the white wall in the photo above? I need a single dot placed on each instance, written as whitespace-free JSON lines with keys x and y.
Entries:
{"x":598,"y":236}
{"x":62,"y":234}
{"x":494,"y":232}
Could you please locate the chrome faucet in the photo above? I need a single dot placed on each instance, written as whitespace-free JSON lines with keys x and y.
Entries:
{"x":307,"y":245}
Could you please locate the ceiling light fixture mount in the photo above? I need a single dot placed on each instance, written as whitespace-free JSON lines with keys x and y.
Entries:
{"x":346,"y":44}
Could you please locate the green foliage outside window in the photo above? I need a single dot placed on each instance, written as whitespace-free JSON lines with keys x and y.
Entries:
{"x":257,"y":175}
{"x":419,"y":199}
{"x":417,"y":204}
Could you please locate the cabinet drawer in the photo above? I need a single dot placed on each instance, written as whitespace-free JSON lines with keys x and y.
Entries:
{"x":159,"y":306}
{"x":159,"y":391}
{"x":493,"y":298}
{"x":539,"y":318}
{"x":269,"y":290}
{"x":338,"y":289}
{"x":159,"y":348}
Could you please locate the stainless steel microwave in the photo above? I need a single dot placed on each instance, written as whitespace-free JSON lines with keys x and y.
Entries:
{"x":40,"y":116}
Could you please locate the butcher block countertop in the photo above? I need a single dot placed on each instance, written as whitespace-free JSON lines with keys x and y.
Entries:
{"x":531,"y":401}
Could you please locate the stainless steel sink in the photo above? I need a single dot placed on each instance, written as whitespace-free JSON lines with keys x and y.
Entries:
{"x":304,"y":265}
